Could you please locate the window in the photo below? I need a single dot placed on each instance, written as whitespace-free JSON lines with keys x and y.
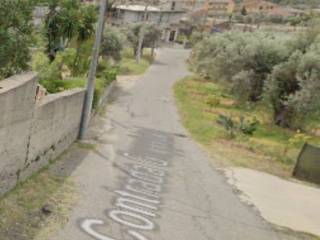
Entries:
{"x":173,"y":5}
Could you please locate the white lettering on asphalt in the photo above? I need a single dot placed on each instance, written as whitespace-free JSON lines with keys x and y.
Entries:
{"x":149,"y":170}
{"x":89,"y":223}
{"x":117,"y":216}
{"x":145,"y":177}
{"x":87,"y":226}
{"x":137,"y":235}
{"x":149,"y":161}
{"x":127,"y":203}
{"x":160,"y":148}
{"x":138,"y":203}
{"x":156,"y":161}
{"x":148,"y":189}
{"x":126,"y":194}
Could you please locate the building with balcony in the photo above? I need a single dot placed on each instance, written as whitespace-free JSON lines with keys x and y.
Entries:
{"x":167,"y":19}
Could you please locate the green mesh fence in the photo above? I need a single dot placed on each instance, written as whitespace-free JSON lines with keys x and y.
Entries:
{"x":308,"y":164}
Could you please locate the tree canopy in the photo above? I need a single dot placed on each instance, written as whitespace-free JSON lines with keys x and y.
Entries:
{"x":15,"y":36}
{"x":67,"y":20}
{"x":152,"y":36}
{"x":280,"y":69}
{"x":112,"y":43}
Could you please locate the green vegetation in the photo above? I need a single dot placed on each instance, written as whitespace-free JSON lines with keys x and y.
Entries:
{"x":57,"y":76}
{"x":254,"y":96}
{"x":129,"y":66}
{"x":152,"y":35}
{"x":245,"y":135}
{"x":113,"y":42}
{"x":40,"y":205}
{"x":61,"y":51}
{"x":67,"y":20}
{"x":281,"y":71}
{"x":68,"y":39}
{"x":15,"y":36}
{"x":113,"y":49}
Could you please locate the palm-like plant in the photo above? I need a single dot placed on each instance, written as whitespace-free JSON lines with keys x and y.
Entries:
{"x":67,"y":20}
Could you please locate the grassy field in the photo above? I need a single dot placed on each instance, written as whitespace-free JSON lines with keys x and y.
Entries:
{"x":129,"y":66}
{"x":270,"y":148}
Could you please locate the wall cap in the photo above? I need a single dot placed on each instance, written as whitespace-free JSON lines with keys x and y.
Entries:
{"x":15,"y":81}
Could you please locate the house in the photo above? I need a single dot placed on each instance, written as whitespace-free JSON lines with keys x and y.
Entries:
{"x":259,"y":6}
{"x":167,"y":19}
{"x":269,"y":8}
{"x":220,"y":7}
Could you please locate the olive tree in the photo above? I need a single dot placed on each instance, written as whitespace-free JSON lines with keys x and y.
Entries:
{"x":293,"y":88}
{"x":112,"y":43}
{"x":152,"y":36}
{"x":283,"y":70}
{"x":242,"y":61}
{"x":293,"y":85}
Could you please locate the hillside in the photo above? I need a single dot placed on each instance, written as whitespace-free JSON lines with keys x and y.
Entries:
{"x":312,"y":3}
{"x":294,"y":3}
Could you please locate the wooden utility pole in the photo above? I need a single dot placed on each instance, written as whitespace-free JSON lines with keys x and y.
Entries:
{"x":87,"y":106}
{"x":141,"y":33}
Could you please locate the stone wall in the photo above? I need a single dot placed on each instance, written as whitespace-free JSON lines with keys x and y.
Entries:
{"x":32,"y":134}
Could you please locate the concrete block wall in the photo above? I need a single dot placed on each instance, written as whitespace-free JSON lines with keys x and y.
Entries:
{"x":32,"y":134}
{"x":17,"y":100}
{"x":55,"y":126}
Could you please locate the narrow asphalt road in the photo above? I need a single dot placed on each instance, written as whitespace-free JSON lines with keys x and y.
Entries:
{"x":146,"y":180}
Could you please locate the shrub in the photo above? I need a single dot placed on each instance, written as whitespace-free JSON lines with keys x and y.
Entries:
{"x":112,"y":43}
{"x":81,"y":61}
{"x":245,"y":126}
{"x":228,"y":124}
{"x":52,"y":74}
{"x":49,"y":73}
{"x":107,"y":73}
{"x":197,"y":36}
{"x":298,"y":139}
{"x":293,"y":88}
{"x":240,"y":61}
{"x":213,"y":101}
{"x":181,"y":38}
{"x":152,"y":36}
{"x":248,"y":127}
